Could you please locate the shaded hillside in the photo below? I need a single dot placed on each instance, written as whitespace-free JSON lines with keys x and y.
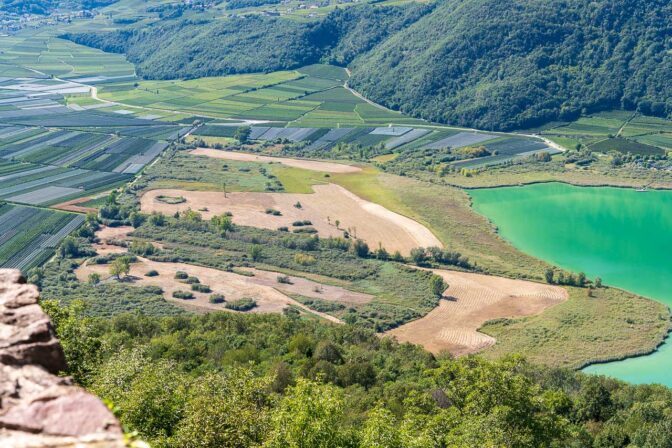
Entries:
{"x":503,"y":65}
{"x":483,"y":63}
{"x":192,"y":49}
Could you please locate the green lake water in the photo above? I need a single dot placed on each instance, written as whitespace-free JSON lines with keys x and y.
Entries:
{"x":620,"y":235}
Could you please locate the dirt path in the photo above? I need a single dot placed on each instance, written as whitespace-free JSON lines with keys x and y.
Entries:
{"x":471,"y":300}
{"x":365,"y":220}
{"x":313,"y":165}
{"x":72,"y":206}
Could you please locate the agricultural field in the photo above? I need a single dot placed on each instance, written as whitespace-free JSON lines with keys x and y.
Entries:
{"x":36,"y":239}
{"x":472,"y":300}
{"x":38,"y":53}
{"x":625,"y":132}
{"x":56,"y":165}
{"x":310,"y":97}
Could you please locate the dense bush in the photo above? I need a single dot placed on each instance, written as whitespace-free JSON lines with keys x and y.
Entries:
{"x":244,"y":304}
{"x":185,"y":295}
{"x":199,"y":287}
{"x":217,"y":298}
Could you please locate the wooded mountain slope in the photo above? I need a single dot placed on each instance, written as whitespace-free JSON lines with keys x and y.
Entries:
{"x":484,"y":63}
{"x":192,"y":49}
{"x":501,"y":65}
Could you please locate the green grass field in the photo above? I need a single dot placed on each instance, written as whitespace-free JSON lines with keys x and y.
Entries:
{"x":608,"y":326}
{"x":33,"y":52}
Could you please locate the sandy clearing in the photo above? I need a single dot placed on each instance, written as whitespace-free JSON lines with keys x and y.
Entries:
{"x":313,"y":165}
{"x":308,"y":288}
{"x":71,"y":206}
{"x":473,"y":299}
{"x":106,"y":235}
{"x":368,"y":221}
{"x":262,"y":287}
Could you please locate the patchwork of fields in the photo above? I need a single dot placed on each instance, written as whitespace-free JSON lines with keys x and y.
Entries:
{"x":57,"y":143}
{"x":28,"y":236}
{"x":312,"y":96}
{"x":616,"y":131}
{"x":393,"y":138}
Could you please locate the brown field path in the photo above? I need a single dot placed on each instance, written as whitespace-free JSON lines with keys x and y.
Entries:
{"x":72,"y":206}
{"x":366,"y":220}
{"x":470,"y":301}
{"x":313,"y":165}
{"x":271,"y":298}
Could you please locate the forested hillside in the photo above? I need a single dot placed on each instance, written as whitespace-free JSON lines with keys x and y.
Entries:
{"x":224,"y":380}
{"x":503,"y":65}
{"x":488,"y":64}
{"x":192,"y":49}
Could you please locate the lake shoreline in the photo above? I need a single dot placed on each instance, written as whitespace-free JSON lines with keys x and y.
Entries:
{"x":561,"y":225}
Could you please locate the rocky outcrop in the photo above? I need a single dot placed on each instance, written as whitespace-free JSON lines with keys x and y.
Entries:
{"x":38,"y":408}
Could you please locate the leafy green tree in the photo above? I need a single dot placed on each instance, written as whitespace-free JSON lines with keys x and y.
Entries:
{"x":69,"y":248}
{"x":360,"y":248}
{"x":309,"y":416}
{"x":549,"y":274}
{"x":77,"y":336}
{"x":381,"y":430}
{"x":224,"y":410}
{"x":419,"y":256}
{"x":94,"y":278}
{"x":437,"y":285}
{"x":242,"y":134}
{"x":256,"y":252}
{"x":120,"y":265}
{"x":223,"y":223}
{"x":136,"y":219}
{"x":157,"y":219}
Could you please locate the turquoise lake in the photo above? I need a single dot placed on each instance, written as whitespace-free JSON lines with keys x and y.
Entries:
{"x":620,"y":235}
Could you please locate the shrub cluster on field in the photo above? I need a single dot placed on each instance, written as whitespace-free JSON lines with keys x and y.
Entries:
{"x":402,"y":293}
{"x":58,"y":281}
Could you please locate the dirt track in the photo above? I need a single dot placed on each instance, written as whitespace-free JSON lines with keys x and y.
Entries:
{"x":72,"y":206}
{"x":370,"y":222}
{"x":473,"y":299}
{"x":313,"y":165}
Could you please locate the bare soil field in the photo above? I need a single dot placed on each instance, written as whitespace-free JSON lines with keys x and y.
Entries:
{"x":262,"y":286}
{"x":108,"y":234}
{"x":329,"y":203}
{"x":313,"y":165}
{"x":470,"y":301}
{"x":71,"y":206}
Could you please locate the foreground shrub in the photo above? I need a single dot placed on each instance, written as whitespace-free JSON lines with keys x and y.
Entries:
{"x":152,"y":273}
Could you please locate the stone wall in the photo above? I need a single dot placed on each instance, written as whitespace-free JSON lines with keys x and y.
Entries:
{"x":38,"y":408}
